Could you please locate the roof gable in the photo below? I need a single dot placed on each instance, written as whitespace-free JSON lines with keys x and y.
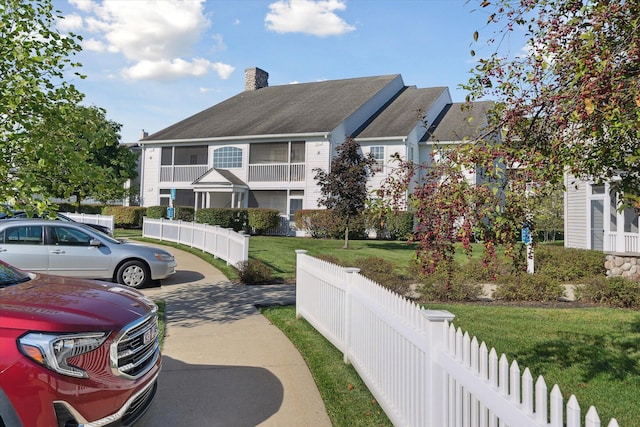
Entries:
{"x":459,"y":121}
{"x":401,"y":115}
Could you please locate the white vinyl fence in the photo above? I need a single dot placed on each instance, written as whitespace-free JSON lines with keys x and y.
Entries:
{"x":106,"y":220}
{"x":220,"y":242}
{"x":420,"y":368}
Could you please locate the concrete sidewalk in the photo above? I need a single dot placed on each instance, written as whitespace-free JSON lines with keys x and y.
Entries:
{"x":224,"y":364}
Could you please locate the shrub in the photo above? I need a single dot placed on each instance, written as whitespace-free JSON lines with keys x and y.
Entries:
{"x":126,"y":216}
{"x":382,"y":272}
{"x":184,"y":213}
{"x":330,"y":258}
{"x":568,"y":265}
{"x":254,"y":272}
{"x":399,"y":225}
{"x":325,"y":223}
{"x":87,"y":209}
{"x":260,"y":220}
{"x":528,"y":287}
{"x":224,"y":217}
{"x":156,"y":212}
{"x":613,"y":291}
{"x":434,"y":288}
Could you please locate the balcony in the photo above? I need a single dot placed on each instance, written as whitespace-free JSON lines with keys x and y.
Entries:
{"x":181,"y":173}
{"x":277,"y":172}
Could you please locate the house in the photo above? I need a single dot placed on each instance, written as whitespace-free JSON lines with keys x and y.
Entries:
{"x":259,"y":148}
{"x":592,"y":220}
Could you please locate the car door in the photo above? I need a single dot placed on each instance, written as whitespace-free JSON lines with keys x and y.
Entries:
{"x":71,"y":253}
{"x":22,"y":245}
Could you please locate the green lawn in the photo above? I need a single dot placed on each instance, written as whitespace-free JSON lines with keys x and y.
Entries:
{"x":593,"y":353}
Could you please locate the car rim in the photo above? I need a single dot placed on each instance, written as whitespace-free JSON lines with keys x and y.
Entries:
{"x":133,"y":276}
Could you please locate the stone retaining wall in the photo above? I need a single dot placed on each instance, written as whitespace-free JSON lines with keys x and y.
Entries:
{"x":623,"y":265}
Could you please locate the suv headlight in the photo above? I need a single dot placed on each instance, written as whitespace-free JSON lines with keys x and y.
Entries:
{"x":54,"y":351}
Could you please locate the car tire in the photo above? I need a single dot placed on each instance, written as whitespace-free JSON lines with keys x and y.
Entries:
{"x":133,"y":273}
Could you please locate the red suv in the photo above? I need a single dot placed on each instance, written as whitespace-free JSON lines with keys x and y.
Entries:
{"x":74,"y":352}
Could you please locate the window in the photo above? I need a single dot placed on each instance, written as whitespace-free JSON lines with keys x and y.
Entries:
{"x":277,"y":152}
{"x":613,"y":212}
{"x":276,"y":199}
{"x":597,"y":189}
{"x":24,"y":235}
{"x":167,"y":156}
{"x":191,"y":155}
{"x":227,"y":157}
{"x":378,"y":155}
{"x":630,"y":220}
{"x":63,"y":236}
{"x":297,"y":152}
{"x":272,"y":152}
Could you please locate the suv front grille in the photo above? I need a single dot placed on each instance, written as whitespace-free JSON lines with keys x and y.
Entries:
{"x":136,"y":348}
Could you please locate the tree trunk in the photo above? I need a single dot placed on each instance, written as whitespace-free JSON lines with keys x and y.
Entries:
{"x":346,"y":237}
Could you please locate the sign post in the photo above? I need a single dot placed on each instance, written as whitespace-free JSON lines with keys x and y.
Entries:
{"x":170,"y":210}
{"x":527,"y":240}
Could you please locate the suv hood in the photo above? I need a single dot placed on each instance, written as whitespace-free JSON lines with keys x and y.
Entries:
{"x":61,"y":304}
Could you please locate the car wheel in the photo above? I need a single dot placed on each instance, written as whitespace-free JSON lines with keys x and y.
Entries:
{"x":133,"y":273}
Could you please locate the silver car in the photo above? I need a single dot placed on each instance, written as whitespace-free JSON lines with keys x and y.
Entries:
{"x":74,"y":249}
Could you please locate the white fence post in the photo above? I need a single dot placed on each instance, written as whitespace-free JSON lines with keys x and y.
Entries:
{"x":299,"y":274}
{"x":347,"y":311}
{"x":436,"y":384}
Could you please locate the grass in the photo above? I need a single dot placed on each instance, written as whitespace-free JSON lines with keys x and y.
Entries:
{"x":347,"y":399}
{"x":593,"y":353}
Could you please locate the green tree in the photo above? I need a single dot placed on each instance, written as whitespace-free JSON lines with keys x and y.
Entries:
{"x":34,"y":59}
{"x":549,"y":214}
{"x":572,"y":103}
{"x":105,"y":164}
{"x":344,"y":187}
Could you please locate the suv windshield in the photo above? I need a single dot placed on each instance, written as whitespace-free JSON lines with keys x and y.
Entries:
{"x":10,"y":276}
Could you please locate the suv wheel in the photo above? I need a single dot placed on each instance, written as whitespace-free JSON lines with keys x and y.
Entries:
{"x":133,"y":273}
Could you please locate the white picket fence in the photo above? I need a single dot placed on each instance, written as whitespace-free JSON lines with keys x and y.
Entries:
{"x":220,"y":242}
{"x":420,"y":368}
{"x":106,"y":220}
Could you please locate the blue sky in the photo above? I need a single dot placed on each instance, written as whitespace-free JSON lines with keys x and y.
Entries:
{"x":153,"y":63}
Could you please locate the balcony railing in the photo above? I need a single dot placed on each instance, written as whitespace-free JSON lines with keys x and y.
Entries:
{"x":185,"y":173}
{"x":279,"y":172}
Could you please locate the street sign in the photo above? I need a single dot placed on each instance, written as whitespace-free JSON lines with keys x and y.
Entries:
{"x":526,"y":234}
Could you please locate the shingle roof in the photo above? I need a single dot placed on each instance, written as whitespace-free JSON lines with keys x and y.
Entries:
{"x":400,"y":116}
{"x":459,"y":121}
{"x":285,"y":109}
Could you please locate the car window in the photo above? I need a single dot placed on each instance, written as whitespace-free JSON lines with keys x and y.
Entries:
{"x":65,"y":236}
{"x":23,"y":235}
{"x":11,"y":276}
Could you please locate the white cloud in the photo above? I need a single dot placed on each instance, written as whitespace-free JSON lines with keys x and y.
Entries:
{"x":84,"y":5}
{"x":71,"y":22}
{"x":176,"y":68}
{"x":93,"y":45}
{"x":307,"y":16}
{"x":157,"y":37}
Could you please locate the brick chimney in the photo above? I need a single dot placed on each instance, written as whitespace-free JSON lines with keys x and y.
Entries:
{"x":255,"y":78}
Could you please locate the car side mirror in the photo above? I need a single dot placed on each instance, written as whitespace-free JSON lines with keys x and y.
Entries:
{"x":95,"y":242}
